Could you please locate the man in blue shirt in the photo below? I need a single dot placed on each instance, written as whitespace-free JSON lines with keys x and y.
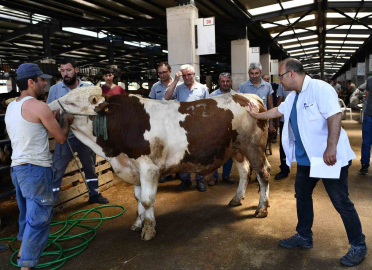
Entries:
{"x":190,"y":90}
{"x":312,"y":130}
{"x":165,"y":80}
{"x":62,"y":153}
{"x":225,"y":82}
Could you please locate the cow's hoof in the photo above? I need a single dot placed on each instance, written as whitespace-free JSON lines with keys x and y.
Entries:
{"x":135,"y":228}
{"x":148,"y":233}
{"x":235,"y":203}
{"x":260,"y":213}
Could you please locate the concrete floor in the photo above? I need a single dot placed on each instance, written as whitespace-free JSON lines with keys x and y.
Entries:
{"x":199,"y":231}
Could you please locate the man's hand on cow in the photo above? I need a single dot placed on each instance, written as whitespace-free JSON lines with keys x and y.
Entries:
{"x":69,"y":118}
{"x":57,"y":114}
{"x":252,"y":109}
{"x":177,"y":76}
{"x":329,"y":155}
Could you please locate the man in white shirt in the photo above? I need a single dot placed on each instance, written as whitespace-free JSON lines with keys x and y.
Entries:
{"x":312,"y":129}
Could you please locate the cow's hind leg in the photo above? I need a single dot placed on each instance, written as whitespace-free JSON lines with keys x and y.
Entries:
{"x":149,"y":175}
{"x":263,"y":175}
{"x":242,"y":165}
{"x":138,"y":224}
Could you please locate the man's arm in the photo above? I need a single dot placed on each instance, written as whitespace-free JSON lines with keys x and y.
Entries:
{"x":48,"y":120}
{"x":334,"y":129}
{"x":169,"y":92}
{"x":270,"y":114}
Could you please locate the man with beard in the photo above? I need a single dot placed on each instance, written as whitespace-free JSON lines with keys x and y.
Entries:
{"x":28,"y":121}
{"x":255,"y":85}
{"x":312,"y":129}
{"x":62,"y":153}
{"x":225,"y":83}
{"x":190,"y":90}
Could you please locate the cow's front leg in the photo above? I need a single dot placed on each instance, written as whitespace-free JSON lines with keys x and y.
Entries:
{"x":242,"y":165}
{"x":138,"y":224}
{"x":149,"y":185}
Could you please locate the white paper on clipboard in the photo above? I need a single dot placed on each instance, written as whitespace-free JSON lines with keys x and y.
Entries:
{"x":319,"y":169}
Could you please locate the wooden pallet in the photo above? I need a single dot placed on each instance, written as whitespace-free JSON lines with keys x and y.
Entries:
{"x":73,"y":189}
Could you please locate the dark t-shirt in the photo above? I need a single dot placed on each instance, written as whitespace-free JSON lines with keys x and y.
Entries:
{"x":117,"y":90}
{"x":369,"y":101}
{"x":275,"y":97}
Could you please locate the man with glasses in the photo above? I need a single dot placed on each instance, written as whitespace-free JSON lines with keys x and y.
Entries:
{"x":255,"y":85}
{"x":312,"y":129}
{"x":165,"y":80}
{"x":110,"y":88}
{"x":190,"y":90}
{"x":225,"y":82}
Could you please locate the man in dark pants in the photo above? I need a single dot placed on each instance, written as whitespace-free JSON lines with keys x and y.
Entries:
{"x":312,"y":130}
{"x":284,"y":168}
{"x":62,"y":153}
{"x":367,"y":131}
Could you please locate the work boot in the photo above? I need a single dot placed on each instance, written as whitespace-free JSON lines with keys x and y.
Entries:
{"x":228,"y":179}
{"x":98,"y":199}
{"x":297,"y":241}
{"x":200,"y":185}
{"x":3,"y":247}
{"x":184,"y":185}
{"x":364,"y":169}
{"x":355,"y":255}
{"x":165,"y":179}
{"x":281,"y":175}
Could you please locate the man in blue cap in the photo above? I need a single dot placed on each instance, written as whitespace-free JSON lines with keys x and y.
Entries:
{"x":28,"y":121}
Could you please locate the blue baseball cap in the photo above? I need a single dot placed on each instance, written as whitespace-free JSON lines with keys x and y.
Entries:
{"x":28,"y":70}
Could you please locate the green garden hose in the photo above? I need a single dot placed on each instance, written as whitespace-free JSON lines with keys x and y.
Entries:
{"x":61,"y":235}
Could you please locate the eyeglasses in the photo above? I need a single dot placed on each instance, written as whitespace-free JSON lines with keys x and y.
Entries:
{"x":281,"y":75}
{"x":187,"y":75}
{"x":163,"y":72}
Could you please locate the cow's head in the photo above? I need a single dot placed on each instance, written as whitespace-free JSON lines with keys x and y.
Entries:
{"x":81,"y":100}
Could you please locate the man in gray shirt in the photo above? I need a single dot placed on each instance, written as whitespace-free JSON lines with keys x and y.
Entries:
{"x":367,"y":131}
{"x":255,"y":85}
{"x":62,"y":153}
{"x":165,"y":80}
{"x":190,"y":90}
{"x":337,"y":87}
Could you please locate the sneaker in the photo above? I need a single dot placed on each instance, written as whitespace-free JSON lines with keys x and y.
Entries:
{"x":281,"y":175}
{"x":200,"y":185}
{"x":296,"y":241}
{"x":364,"y":169}
{"x":184,"y":185}
{"x":98,"y":199}
{"x":355,"y":255}
{"x":229,"y":179}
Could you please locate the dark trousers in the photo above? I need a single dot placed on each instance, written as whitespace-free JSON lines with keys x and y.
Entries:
{"x":337,"y":190}
{"x":283,"y":165}
{"x":367,"y":140}
{"x":62,"y":157}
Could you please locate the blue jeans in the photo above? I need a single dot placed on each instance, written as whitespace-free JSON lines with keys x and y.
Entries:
{"x":367,"y":139}
{"x":337,"y":190}
{"x":35,"y":202}
{"x":62,"y":157}
{"x":226,"y":169}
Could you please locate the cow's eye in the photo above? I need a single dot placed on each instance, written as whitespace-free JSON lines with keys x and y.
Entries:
{"x":93,"y":99}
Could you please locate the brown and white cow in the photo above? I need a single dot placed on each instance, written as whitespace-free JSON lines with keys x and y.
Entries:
{"x":149,"y":139}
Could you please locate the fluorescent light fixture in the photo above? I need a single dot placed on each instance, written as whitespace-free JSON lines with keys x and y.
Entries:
{"x":84,"y":32}
{"x":350,"y":14}
{"x":287,"y":41}
{"x":291,"y":20}
{"x":164,"y":51}
{"x":346,"y":27}
{"x":335,"y":35}
{"x":298,"y":44}
{"x":287,"y":33}
{"x":306,"y":49}
{"x":296,"y":3}
{"x":265,"y":9}
{"x":308,"y":37}
{"x":345,"y":51}
{"x":357,"y":36}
